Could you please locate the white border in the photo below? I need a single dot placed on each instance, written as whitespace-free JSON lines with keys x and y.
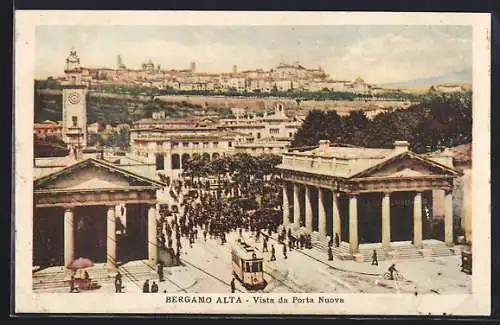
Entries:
{"x":363,"y":304}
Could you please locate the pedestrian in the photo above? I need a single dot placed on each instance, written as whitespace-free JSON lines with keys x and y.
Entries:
{"x":284,"y":251}
{"x":205,"y":234}
{"x":264,"y":245}
{"x":160,"y":272}
{"x":290,"y":244}
{"x":178,"y":257}
{"x":337,"y":239}
{"x":118,"y":282}
{"x":273,"y":253}
{"x":233,"y":286}
{"x":330,"y":253}
{"x":154,"y":287}
{"x":72,"y":285}
{"x":145,"y":287}
{"x":241,"y":232}
{"x":374,"y":258}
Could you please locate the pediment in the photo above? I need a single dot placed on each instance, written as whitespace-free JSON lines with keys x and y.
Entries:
{"x":93,"y":174}
{"x":407,"y":165}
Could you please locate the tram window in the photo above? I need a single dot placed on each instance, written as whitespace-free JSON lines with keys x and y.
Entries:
{"x":255,"y":267}
{"x":260,"y":267}
{"x":247,"y":267}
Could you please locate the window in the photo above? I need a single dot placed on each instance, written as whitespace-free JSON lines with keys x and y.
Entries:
{"x":196,"y":144}
{"x":185,"y":144}
{"x":216,"y":144}
{"x":274,"y":131}
{"x":290,"y":134}
{"x":255,"y":267}
{"x":175,"y":145}
{"x":159,"y":143}
{"x":247,"y":267}
{"x":75,"y":120}
{"x":258,"y":135}
{"x":230,"y":144}
{"x":205,"y":144}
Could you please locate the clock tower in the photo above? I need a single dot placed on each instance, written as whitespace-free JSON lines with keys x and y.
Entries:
{"x":74,"y":103}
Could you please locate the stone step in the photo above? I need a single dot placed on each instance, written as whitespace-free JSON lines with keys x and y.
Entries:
{"x":56,"y":279}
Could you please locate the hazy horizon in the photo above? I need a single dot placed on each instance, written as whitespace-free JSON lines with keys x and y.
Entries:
{"x":379,"y":54}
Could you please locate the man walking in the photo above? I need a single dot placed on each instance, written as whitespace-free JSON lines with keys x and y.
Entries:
{"x":233,"y":286}
{"x":264,"y":245}
{"x":118,"y":282}
{"x":374,"y":258}
{"x":284,"y":251}
{"x":273,"y":253}
{"x":160,"y":272}
{"x":330,"y":253}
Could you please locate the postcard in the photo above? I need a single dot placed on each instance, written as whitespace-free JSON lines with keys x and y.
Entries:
{"x":289,"y":163}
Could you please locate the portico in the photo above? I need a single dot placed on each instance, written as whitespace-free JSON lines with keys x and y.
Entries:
{"x":80,"y":210}
{"x":365,"y":195}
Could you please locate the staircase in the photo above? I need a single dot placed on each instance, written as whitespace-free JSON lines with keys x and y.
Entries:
{"x":438,"y":248}
{"x":54,"y":277}
{"x":397,"y":250}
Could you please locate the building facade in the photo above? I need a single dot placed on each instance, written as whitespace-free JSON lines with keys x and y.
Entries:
{"x":47,"y":128}
{"x":381,"y":197}
{"x":94,"y":209}
{"x":169,"y":143}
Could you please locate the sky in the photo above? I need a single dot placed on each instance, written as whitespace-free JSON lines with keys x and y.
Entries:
{"x":379,"y":54}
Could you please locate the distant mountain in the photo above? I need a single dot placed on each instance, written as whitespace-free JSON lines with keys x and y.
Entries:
{"x":463,"y":76}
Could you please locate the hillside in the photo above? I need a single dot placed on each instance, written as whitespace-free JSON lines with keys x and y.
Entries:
{"x":116,"y":109}
{"x":459,"y":77}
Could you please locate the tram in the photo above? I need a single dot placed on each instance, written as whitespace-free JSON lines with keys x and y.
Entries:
{"x":248,"y":266}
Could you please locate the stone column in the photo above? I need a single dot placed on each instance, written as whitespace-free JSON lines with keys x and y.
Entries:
{"x":296,"y":205}
{"x":167,"y":162}
{"x":111,"y":239}
{"x":309,"y":215}
{"x":336,"y":215}
{"x":69,"y":236}
{"x":448,"y":217}
{"x":321,"y":214}
{"x":438,"y":203}
{"x":386,"y":220}
{"x":353,"y":223}
{"x":417,"y":220}
{"x":286,"y":207}
{"x":152,"y":240}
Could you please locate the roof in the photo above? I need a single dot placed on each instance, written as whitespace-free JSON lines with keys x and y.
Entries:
{"x":460,"y":153}
{"x":245,"y":250}
{"x":43,"y":181}
{"x":346,"y":162}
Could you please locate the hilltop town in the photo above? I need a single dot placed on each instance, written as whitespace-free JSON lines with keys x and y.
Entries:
{"x":284,"y":77}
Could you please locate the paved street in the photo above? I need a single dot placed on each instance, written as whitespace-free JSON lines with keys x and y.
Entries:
{"x":207,"y":269}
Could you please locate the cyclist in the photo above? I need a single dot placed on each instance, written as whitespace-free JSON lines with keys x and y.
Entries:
{"x":391,"y":270}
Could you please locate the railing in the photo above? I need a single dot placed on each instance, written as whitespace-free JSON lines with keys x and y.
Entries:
{"x":309,"y":162}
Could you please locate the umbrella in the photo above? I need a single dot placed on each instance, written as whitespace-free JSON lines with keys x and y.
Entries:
{"x":80,"y":263}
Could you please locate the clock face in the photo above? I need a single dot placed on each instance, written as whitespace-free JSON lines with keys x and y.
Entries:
{"x":74,"y":98}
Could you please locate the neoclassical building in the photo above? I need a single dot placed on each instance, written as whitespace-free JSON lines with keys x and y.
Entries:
{"x":169,"y":143}
{"x":381,"y":197}
{"x":94,"y":209}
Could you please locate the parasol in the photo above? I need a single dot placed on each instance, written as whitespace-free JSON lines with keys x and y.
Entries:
{"x":80,"y":263}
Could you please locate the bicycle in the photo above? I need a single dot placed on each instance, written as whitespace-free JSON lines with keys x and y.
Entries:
{"x":396,"y":276}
